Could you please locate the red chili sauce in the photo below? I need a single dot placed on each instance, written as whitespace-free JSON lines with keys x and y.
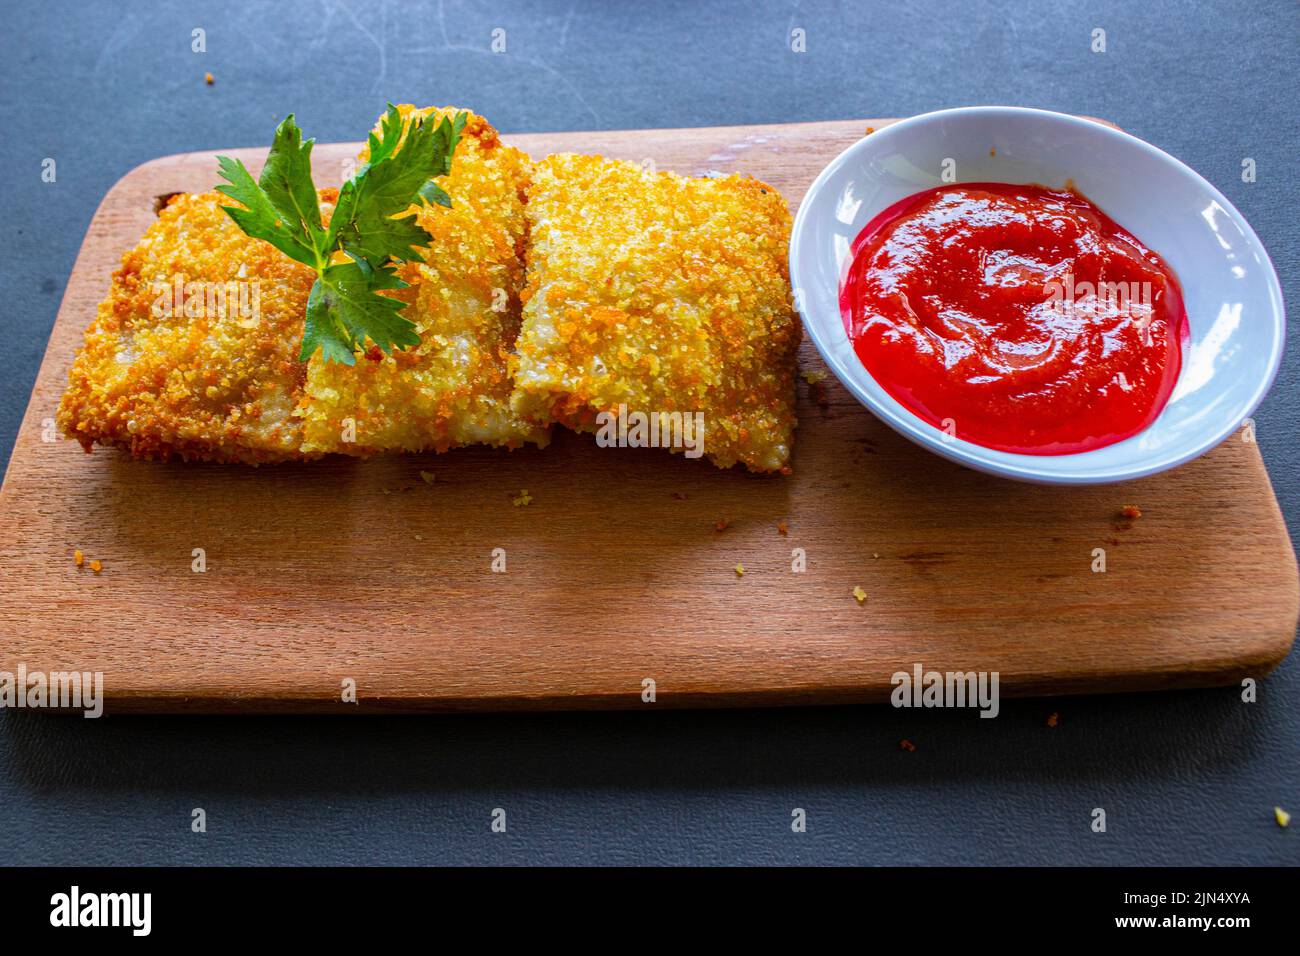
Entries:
{"x":1019,"y":318}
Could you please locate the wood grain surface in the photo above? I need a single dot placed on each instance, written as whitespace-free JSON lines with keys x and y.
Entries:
{"x":340,"y":569}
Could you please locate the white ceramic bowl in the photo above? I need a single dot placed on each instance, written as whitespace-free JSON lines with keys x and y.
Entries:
{"x":1233,"y":299}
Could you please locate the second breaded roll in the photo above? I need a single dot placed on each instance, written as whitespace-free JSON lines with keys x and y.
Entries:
{"x":454,"y":387}
{"x":655,"y":293}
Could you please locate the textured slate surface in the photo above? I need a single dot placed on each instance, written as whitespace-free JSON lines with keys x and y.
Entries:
{"x":1185,"y":778}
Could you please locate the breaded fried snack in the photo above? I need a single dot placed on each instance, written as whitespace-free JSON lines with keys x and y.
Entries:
{"x":194,"y":352}
{"x":658,"y":294}
{"x":454,"y":387}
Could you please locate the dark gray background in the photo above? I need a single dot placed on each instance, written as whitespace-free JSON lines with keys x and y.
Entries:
{"x":1186,"y":778}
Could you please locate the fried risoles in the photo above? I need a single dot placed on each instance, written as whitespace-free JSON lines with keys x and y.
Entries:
{"x":660,"y":293}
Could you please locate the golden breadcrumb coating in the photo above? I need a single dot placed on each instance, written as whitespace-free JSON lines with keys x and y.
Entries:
{"x":663,"y":294}
{"x":454,"y":387}
{"x":194,"y":352}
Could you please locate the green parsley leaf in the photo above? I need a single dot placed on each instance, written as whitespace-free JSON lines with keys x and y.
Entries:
{"x":433,"y":193}
{"x":261,"y":219}
{"x":390,"y":128}
{"x":286,"y":178}
{"x":345,"y":308}
{"x":364,"y":222}
{"x":343,"y":311}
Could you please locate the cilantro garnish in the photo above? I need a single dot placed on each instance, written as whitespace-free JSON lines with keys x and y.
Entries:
{"x":345,"y":308}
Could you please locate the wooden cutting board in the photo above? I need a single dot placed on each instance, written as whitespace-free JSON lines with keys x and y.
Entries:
{"x":343,"y":569}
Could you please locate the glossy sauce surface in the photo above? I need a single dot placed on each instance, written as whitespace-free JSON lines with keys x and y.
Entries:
{"x":1016,"y":317}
